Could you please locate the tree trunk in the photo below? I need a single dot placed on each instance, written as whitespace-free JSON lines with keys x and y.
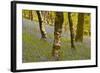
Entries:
{"x":57,"y":35}
{"x":71,"y":30}
{"x":42,"y":30}
{"x":30,"y":15}
{"x":80,"y":25}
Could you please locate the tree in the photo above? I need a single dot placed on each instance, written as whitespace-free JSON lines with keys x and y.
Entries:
{"x":30,"y":15}
{"x":42,"y":30}
{"x":80,"y":25}
{"x":65,"y":21}
{"x":71,"y":30}
{"x":57,"y":35}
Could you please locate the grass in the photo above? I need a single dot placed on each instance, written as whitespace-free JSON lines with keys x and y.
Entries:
{"x":36,"y":49}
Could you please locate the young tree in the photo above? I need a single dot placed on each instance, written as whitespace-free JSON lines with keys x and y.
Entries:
{"x":30,"y":15}
{"x":57,"y":35}
{"x":71,"y":30}
{"x":42,"y":30}
{"x":80,"y":25}
{"x":65,"y":21}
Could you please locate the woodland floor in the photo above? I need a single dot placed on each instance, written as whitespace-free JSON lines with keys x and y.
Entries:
{"x":37,"y":50}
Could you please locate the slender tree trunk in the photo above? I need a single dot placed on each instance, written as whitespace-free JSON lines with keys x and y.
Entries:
{"x":42,"y":30}
{"x":80,"y":25}
{"x":57,"y":35}
{"x":30,"y":15}
{"x":71,"y":30}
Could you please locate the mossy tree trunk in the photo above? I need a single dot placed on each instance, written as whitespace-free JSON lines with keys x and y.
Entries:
{"x":80,"y":28}
{"x":71,"y":30}
{"x":42,"y":29}
{"x":57,"y":35}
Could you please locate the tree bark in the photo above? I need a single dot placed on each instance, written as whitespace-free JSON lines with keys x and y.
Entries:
{"x":80,"y":25}
{"x":57,"y":35}
{"x":42,"y":30}
{"x":71,"y":30}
